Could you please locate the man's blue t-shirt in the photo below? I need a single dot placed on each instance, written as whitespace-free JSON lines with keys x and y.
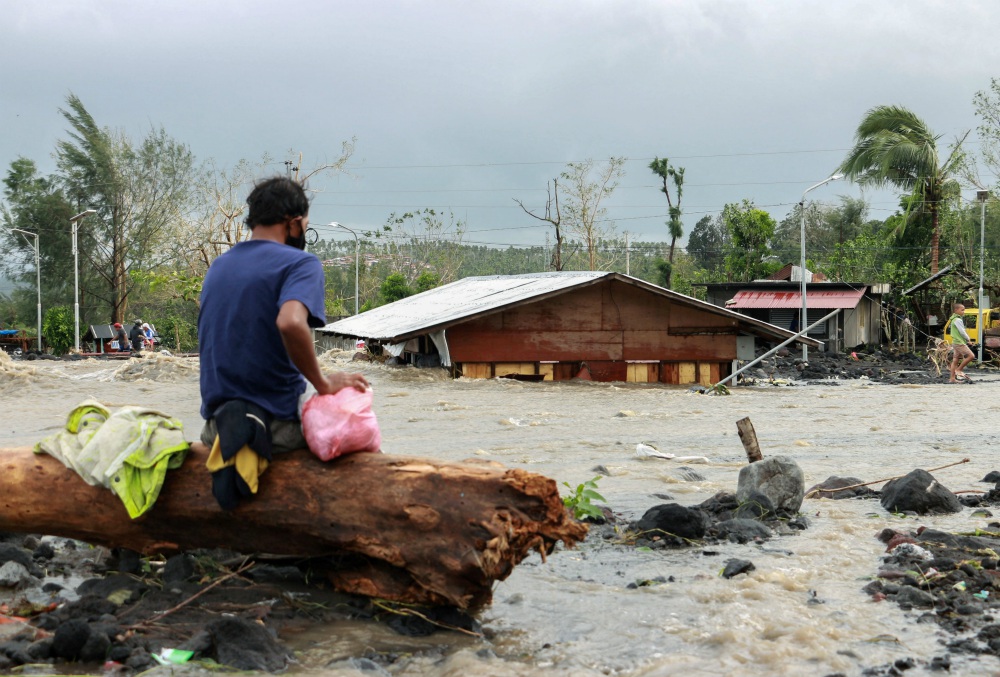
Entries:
{"x":242,"y":355}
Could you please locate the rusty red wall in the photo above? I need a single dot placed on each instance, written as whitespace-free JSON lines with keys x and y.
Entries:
{"x":611,"y":321}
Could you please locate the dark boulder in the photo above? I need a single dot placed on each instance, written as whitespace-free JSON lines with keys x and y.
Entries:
{"x":70,"y":638}
{"x":756,"y":506}
{"x":735,"y":567}
{"x":244,"y":645}
{"x":920,"y":493}
{"x":741,"y":530}
{"x":22,"y":556}
{"x":674,"y":519}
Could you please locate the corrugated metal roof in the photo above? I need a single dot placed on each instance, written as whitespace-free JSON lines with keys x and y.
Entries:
{"x":456,"y":301}
{"x":820,"y":298}
{"x":936,"y":276}
{"x":472,"y":296}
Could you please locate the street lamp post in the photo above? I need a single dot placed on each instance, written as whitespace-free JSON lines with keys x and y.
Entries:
{"x":982,"y":196}
{"x":803,"y":319}
{"x":38,"y":284}
{"x":357,"y":249}
{"x":74,"y":222}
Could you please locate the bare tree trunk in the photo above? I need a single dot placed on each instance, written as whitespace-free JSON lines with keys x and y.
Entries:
{"x":408,"y":529}
{"x":935,"y":239}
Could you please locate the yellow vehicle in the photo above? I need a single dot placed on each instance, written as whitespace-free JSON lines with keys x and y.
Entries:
{"x":991,"y":320}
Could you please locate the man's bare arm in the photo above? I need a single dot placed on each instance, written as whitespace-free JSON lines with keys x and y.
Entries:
{"x":293,"y":324}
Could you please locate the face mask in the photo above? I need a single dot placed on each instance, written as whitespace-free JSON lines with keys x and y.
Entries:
{"x":297,"y":242}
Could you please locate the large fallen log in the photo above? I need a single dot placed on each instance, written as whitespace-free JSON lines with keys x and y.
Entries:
{"x":400,"y":528}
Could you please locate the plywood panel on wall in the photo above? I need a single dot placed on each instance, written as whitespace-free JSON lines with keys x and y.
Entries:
{"x":547,"y":371}
{"x":505,"y":368}
{"x":642,"y":372}
{"x":705,"y":373}
{"x":477,"y":370}
{"x":687,"y":372}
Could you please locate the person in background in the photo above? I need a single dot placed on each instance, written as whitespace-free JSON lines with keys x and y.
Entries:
{"x":259,"y":302}
{"x":148,"y":336}
{"x":135,"y":337}
{"x":960,"y":344}
{"x":121,"y":337}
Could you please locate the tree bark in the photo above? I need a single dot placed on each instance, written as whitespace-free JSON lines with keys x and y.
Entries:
{"x":407,"y":529}
{"x":748,"y":436}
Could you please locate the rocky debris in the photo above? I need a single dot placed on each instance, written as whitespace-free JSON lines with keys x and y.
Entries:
{"x":874,"y":364}
{"x":828,"y":489}
{"x":232,"y":620}
{"x":779,"y":478}
{"x":918,"y":492}
{"x":950,"y":580}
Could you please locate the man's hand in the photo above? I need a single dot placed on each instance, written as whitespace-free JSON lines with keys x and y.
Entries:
{"x":339,"y":380}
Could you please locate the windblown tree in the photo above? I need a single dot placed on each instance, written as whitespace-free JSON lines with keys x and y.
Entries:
{"x":987,"y":105}
{"x":894,"y":147}
{"x":142,"y":192}
{"x":552,"y":217}
{"x":36,"y":204}
{"x":585,"y":217}
{"x":666,"y":172}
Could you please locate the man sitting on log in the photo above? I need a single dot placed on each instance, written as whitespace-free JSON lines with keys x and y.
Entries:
{"x":258,"y":303}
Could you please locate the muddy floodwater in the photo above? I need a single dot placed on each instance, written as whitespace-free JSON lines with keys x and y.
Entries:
{"x":800,"y":612}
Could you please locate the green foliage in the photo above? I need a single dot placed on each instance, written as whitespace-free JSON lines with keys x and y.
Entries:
{"x":580,"y":502}
{"x":58,"y":329}
{"x":426,"y":281}
{"x":394,"y":288}
{"x":750,"y":231}
{"x":707,"y":243}
{"x":178,"y":333}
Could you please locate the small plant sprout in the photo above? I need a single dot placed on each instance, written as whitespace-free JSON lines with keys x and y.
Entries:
{"x":581,"y":500}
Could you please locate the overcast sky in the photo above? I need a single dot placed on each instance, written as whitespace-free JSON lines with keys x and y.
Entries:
{"x":467,"y":105}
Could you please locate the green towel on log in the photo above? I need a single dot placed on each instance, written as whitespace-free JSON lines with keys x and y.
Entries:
{"x":128,"y":451}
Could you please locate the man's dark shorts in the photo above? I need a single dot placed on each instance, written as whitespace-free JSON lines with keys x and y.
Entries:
{"x":285,"y":435}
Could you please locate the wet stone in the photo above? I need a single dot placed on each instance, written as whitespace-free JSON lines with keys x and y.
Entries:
{"x":735,"y":567}
{"x":70,"y":638}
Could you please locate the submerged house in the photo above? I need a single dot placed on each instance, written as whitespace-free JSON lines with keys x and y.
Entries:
{"x":778,"y":301}
{"x":556,"y":326}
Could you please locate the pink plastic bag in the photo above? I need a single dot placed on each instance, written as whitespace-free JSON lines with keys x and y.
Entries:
{"x":342,"y":423}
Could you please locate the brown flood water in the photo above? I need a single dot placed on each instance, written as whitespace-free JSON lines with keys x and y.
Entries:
{"x":574,"y":614}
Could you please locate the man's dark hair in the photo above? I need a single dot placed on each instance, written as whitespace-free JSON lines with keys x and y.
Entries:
{"x":275,"y":200}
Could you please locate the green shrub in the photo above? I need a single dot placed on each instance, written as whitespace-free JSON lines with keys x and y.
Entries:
{"x":580,"y":501}
{"x":57,"y":328}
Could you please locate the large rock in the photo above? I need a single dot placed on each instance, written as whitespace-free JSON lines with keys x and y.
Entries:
{"x":777,"y":477}
{"x":14,"y":575}
{"x":919,"y":492}
{"x":674,"y":519}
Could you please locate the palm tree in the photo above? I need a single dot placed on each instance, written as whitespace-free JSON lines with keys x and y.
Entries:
{"x":893,"y":147}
